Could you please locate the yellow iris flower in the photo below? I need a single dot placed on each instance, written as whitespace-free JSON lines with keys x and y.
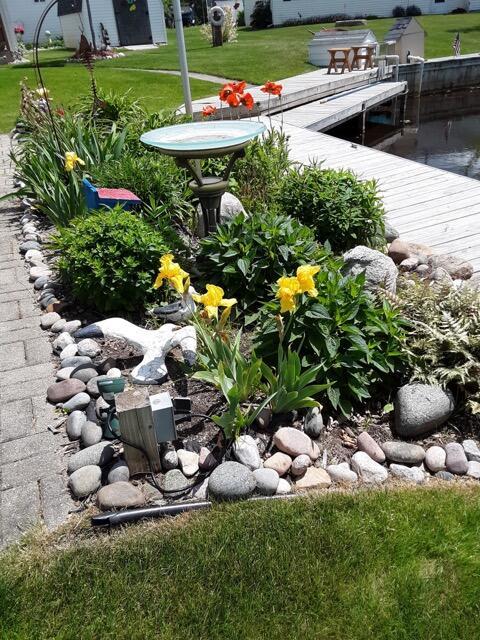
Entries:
{"x":213,"y":299}
{"x":171,"y":271}
{"x":305,"y":275}
{"x":288,"y":288}
{"x":71,"y":161}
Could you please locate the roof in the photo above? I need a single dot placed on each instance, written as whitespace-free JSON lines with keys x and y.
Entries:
{"x":401,"y":26}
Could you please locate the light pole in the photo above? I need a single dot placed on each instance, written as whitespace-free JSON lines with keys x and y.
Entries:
{"x":182,"y":55}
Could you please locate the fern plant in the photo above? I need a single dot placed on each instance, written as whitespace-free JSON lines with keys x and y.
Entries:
{"x":444,"y":342}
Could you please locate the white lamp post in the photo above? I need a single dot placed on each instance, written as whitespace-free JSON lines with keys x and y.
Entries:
{"x":182,"y":54}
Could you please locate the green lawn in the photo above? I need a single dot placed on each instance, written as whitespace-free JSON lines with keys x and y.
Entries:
{"x":279,"y":53}
{"x":68,"y":82}
{"x":383,"y":565}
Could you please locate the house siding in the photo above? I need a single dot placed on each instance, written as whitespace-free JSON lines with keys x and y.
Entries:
{"x":28,"y":12}
{"x":157,"y":21}
{"x":283,"y":10}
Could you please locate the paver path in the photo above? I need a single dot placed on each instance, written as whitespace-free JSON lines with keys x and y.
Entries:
{"x":32,"y":481}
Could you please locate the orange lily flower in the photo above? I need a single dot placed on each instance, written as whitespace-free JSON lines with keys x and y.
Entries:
{"x":226,"y":91}
{"x":234,"y":100}
{"x":239,"y":87}
{"x":247,"y":100}
{"x":209,"y":110}
{"x":272,"y":88}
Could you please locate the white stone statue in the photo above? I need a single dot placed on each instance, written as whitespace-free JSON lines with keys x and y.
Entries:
{"x":154,"y":344}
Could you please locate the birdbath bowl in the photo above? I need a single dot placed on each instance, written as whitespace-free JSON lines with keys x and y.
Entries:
{"x":199,"y":141}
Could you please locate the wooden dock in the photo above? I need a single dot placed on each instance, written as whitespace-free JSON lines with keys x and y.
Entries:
{"x":329,"y":112}
{"x":426,"y":205}
{"x":297,"y":90}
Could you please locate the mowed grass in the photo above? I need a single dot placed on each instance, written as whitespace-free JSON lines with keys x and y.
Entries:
{"x":278,"y":53}
{"x":395,"y":564}
{"x":68,"y":82}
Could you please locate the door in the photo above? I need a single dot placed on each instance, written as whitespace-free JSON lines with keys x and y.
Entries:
{"x":133,"y":22}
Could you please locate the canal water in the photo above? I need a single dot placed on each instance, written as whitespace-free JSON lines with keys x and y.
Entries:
{"x":441,"y":131}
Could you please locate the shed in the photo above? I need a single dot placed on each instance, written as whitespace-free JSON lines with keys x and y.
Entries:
{"x":406,"y":37}
{"x":8,"y":41}
{"x":331,"y":38}
{"x":119,"y":23}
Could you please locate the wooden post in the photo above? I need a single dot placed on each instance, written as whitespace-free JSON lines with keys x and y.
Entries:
{"x":136,"y":426}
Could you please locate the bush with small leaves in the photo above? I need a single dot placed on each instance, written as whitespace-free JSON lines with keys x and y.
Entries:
{"x":110,"y":259}
{"x":339,"y":207}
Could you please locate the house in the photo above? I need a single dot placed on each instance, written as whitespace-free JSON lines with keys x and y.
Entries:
{"x":8,"y":41}
{"x":118,"y":23}
{"x":25,"y":14}
{"x":290,"y":10}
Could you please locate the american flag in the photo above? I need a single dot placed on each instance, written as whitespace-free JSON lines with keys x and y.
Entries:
{"x":456,"y":44}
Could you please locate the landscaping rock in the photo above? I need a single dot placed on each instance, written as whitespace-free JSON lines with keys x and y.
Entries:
{"x":314,"y":478}
{"x":267,"y":481}
{"x":119,"y":495}
{"x":456,"y":267}
{"x":114,"y":373}
{"x":313,"y":423}
{"x":63,"y":340}
{"x":342,"y":473}
{"x":30,"y":244}
{"x":368,"y":470}
{"x":62,"y":391}
{"x":175,"y":482}
{"x":91,"y":434}
{"x":168,"y":457}
{"x":473,"y":470}
{"x":435,"y":458}
{"x":188,"y":462}
{"x":403,"y":452}
{"x":38,"y":271}
{"x":64,"y":374}
{"x":206,"y":459}
{"x":280,"y":462}
{"x":456,"y":460}
{"x":379,"y":269}
{"x":422,"y":270}
{"x":399,"y":251}
{"x":76,"y":361}
{"x":49,"y":319}
{"x":231,"y":481}
{"x":471,"y":450}
{"x":119,"y":472}
{"x":101,"y":407}
{"x":366,"y":443}
{"x":300,"y":464}
{"x":445,"y":475}
{"x":410,"y":264}
{"x":440,"y":275}
{"x":58,"y":326}
{"x":78,"y":402}
{"x":199,"y":491}
{"x":295,"y":443}
{"x":85,"y":480}
{"x":391,"y":233}
{"x":69,"y":352}
{"x":89,"y":347}
{"x":84,"y":374}
{"x":92,"y":386}
{"x":421,"y":408}
{"x":99,"y":454}
{"x":40,"y":282}
{"x":284,"y":487}
{"x":245,"y":451}
{"x":72,"y":326}
{"x":409,"y":474}
{"x":264,"y":418}
{"x":75,"y":422}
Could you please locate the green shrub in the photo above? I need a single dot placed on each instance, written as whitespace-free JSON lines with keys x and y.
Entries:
{"x":444,"y":343}
{"x":261,"y":17}
{"x":151,"y":176}
{"x":357,"y":340}
{"x":247,"y":254}
{"x":110,"y":259}
{"x":341,"y":209}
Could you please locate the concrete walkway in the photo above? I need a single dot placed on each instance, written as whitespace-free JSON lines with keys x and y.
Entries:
{"x":171,"y":72}
{"x":32,"y":481}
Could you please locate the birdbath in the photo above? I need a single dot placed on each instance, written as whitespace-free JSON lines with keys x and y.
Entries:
{"x":201,"y":140}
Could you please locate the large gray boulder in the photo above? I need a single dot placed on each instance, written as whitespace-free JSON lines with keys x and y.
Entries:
{"x":379,"y":269}
{"x":229,"y":208}
{"x":231,"y":481}
{"x":421,"y":408}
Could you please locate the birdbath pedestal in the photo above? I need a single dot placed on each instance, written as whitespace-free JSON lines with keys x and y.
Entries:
{"x":194,"y":141}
